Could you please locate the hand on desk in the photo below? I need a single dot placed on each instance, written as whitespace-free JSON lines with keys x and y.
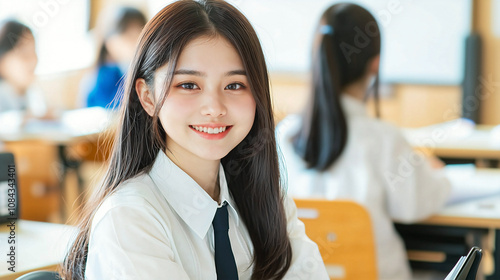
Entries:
{"x":435,"y":162}
{"x":51,"y":114}
{"x":469,"y":182}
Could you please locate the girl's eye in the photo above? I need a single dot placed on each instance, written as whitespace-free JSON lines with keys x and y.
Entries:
{"x":234,"y":86}
{"x":188,"y":86}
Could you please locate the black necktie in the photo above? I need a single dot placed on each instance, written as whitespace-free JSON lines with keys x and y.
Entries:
{"x":224,"y":258}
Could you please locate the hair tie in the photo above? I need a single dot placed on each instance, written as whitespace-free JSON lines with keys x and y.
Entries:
{"x":326,"y":30}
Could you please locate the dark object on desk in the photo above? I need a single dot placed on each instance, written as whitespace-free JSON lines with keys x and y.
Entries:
{"x":9,"y":197}
{"x":444,"y":244}
{"x":40,"y":275}
{"x":471,"y":85}
{"x":466,"y":268}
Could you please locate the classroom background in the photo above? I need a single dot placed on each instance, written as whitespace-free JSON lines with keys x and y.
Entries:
{"x":441,"y":63}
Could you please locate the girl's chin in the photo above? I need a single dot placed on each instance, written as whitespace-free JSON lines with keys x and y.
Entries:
{"x":213,"y":156}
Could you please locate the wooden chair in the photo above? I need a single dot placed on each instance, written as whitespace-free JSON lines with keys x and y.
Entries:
{"x":37,"y":171}
{"x":343,"y":232}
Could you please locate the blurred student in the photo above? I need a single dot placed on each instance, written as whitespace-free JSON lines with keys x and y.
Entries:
{"x":119,"y":30}
{"x":335,"y":150}
{"x":18,"y":60}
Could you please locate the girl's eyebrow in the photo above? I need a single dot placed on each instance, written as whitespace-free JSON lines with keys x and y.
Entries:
{"x":236,"y":72}
{"x":190,"y":72}
{"x":203,"y":74}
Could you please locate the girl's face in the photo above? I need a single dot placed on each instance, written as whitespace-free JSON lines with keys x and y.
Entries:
{"x":210,"y":108}
{"x":17,"y":66}
{"x":121,"y":46}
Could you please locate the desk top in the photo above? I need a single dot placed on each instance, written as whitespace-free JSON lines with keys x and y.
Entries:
{"x":38,"y":246}
{"x":457,"y":139}
{"x":481,"y":213}
{"x":73,"y":125}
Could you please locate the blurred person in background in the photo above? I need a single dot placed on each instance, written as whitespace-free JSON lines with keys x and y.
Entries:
{"x":118,"y":30}
{"x":18,"y":60}
{"x":336,"y":151}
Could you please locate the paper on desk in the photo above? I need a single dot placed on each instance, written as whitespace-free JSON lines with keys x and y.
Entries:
{"x":11,"y":121}
{"x":451,"y":130}
{"x":87,"y":120}
{"x":469,"y":183}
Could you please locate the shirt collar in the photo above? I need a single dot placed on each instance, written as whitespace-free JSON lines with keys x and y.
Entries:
{"x":353,"y":106}
{"x":193,"y":205}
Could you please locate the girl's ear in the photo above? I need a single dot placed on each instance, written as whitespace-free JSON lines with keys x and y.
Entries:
{"x":145,"y":96}
{"x":373,"y":65}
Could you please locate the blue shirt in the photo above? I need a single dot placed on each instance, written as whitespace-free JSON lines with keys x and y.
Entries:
{"x":105,"y":89}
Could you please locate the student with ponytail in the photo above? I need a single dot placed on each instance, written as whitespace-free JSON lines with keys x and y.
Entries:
{"x":192,"y":189}
{"x":334,"y":150}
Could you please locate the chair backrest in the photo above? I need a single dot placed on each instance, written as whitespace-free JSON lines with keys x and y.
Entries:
{"x":343,"y":232}
{"x":37,"y":168}
{"x":40,"y":275}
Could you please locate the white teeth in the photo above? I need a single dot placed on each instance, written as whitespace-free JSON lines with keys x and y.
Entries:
{"x":210,"y":130}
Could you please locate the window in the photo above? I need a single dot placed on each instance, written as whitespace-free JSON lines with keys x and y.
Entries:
{"x":422,"y":41}
{"x":60,"y":29}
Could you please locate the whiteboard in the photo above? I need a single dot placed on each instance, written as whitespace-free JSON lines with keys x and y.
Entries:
{"x":60,"y":30}
{"x":423,"y":41}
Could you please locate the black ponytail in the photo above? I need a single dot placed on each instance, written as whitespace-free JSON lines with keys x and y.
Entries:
{"x":324,"y":129}
{"x":339,"y":59}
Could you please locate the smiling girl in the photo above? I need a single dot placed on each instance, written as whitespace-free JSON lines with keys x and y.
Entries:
{"x":193,"y":186}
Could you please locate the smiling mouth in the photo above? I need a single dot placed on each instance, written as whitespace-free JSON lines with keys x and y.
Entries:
{"x":210,"y":130}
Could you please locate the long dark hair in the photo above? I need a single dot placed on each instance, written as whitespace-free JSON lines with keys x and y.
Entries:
{"x":251,"y":167}
{"x":348,"y":37}
{"x":118,"y":22}
{"x":11,"y":32}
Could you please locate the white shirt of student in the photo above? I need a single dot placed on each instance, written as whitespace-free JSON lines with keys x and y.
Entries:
{"x":11,"y":101}
{"x":159,"y":226}
{"x":379,"y":170}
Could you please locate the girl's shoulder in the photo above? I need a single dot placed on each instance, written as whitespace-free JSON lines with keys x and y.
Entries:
{"x":374,"y":127}
{"x":135,"y":193}
{"x":289,"y":126}
{"x":6,"y":91}
{"x":139,"y":186}
{"x":111,"y":69}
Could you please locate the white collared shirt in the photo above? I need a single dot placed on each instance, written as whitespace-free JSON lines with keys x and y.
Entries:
{"x":33,"y":100}
{"x":159,"y":226}
{"x":9,"y":99}
{"x":379,"y":170}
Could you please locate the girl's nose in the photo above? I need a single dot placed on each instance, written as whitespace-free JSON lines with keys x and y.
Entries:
{"x":213,"y":105}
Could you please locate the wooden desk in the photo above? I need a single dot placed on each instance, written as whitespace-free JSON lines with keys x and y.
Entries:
{"x":39,"y":246}
{"x":481,"y":213}
{"x":456,"y":139}
{"x":74,"y":126}
{"x":480,"y":218}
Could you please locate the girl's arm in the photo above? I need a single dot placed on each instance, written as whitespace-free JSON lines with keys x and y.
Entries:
{"x":415,"y":190}
{"x":306,"y":259}
{"x":129,"y":242}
